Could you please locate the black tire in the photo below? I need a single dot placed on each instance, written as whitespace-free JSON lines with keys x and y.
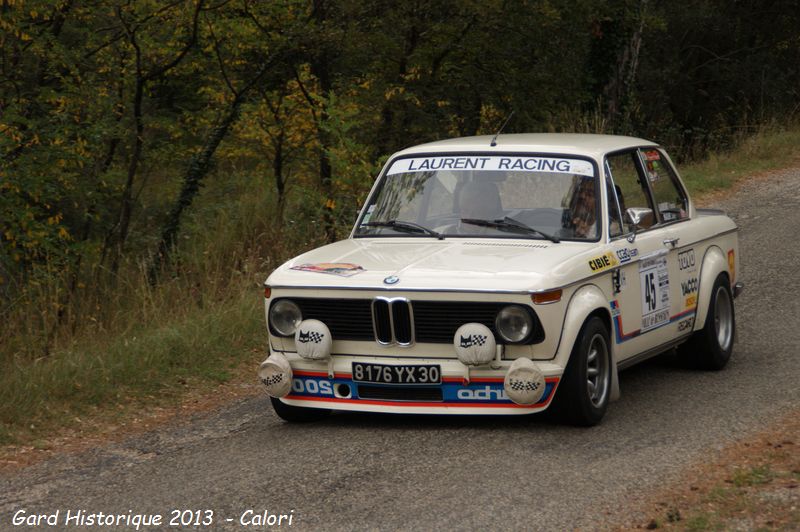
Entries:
{"x":296,"y":414}
{"x":711,"y":347}
{"x":575,"y":404}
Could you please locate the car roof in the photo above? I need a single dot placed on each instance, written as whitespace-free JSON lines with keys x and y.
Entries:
{"x":562,"y":143}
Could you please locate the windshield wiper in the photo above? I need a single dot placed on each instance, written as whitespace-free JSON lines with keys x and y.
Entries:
{"x":406,"y":227}
{"x":509,"y":224}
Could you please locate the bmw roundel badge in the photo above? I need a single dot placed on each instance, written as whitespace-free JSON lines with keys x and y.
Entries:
{"x":392,"y":279}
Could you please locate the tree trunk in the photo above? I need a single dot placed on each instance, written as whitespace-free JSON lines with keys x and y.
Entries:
{"x":127,"y":193}
{"x":198,"y":168}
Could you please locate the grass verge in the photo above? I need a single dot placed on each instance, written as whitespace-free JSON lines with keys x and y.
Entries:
{"x":766,"y":150}
{"x":146,"y":367}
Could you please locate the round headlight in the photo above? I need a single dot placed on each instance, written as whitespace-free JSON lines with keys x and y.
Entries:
{"x":285,"y":316}
{"x":513,"y":323}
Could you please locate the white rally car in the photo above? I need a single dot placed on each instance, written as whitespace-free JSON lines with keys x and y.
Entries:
{"x":503,"y":275}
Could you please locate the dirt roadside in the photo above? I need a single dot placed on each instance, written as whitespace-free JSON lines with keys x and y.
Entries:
{"x":753,"y":484}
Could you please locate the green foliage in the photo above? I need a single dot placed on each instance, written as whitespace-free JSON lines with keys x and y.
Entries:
{"x":222,"y":137}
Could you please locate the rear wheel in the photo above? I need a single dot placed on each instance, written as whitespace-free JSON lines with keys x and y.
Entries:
{"x":296,"y":414}
{"x":582,"y":397}
{"x":711,"y":347}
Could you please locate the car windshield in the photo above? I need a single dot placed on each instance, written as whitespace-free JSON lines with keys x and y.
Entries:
{"x":537,"y":196}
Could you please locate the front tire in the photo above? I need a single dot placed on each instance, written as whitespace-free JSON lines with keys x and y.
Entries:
{"x":711,"y":347}
{"x":584,"y":392}
{"x":296,"y":414}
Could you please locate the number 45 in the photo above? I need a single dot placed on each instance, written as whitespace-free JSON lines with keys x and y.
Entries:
{"x":650,"y":291}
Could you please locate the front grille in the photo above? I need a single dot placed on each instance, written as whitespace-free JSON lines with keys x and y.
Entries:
{"x":392,"y":321}
{"x":438,"y":321}
{"x":399,"y":393}
{"x":411,"y":321}
{"x":348,"y":319}
{"x":381,"y":321}
{"x":401,"y":321}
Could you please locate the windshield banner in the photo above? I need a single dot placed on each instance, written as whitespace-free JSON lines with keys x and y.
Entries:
{"x":492,"y":163}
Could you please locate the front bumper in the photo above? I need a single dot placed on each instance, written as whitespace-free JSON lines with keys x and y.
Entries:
{"x":479,"y":391}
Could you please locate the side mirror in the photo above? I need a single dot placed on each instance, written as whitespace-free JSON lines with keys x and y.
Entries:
{"x":640,"y":217}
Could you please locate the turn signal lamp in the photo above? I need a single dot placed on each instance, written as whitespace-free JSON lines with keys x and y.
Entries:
{"x":544,"y":298}
{"x":267,"y":291}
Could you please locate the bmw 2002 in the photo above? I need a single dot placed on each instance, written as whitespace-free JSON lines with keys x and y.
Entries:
{"x":503,"y":275}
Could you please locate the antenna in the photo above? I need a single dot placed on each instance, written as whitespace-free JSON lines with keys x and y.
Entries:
{"x":494,"y":139}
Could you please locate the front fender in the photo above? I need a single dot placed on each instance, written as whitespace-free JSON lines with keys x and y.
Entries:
{"x":714,"y":263}
{"x":587,"y":300}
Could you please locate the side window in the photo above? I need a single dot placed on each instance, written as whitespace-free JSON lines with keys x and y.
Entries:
{"x":670,"y":200}
{"x":615,"y":227}
{"x":629,"y":189}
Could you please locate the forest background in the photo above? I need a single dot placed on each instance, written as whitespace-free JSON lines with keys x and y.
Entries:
{"x":159,"y":158}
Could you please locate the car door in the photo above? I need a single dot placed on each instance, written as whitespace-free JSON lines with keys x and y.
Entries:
{"x":672,"y":211}
{"x":643,"y":284}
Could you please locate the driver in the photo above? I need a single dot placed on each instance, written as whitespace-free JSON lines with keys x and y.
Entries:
{"x":583,"y":209}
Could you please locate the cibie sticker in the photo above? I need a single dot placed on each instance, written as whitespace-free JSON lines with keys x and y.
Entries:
{"x":654,"y":278}
{"x":342,"y":269}
{"x":492,"y":163}
{"x":603,"y":262}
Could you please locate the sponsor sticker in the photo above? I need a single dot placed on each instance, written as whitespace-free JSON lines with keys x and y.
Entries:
{"x":492,"y":163}
{"x":691,"y":301}
{"x":685,"y":325}
{"x":686,"y":260}
{"x":627,"y":254}
{"x":689,"y":286}
{"x":603,"y":262}
{"x":654,"y":280}
{"x":652,"y":155}
{"x":342,"y":269}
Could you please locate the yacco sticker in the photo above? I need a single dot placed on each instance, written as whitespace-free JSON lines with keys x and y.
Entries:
{"x":689,"y":286}
{"x":492,"y":163}
{"x":732,"y":264}
{"x":603,"y":262}
{"x":654,"y":279}
{"x":342,"y":269}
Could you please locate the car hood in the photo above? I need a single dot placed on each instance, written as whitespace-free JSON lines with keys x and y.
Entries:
{"x":418,"y":264}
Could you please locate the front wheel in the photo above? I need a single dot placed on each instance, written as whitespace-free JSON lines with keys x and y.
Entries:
{"x":711,"y":347}
{"x":583,"y":395}
{"x":296,"y":414}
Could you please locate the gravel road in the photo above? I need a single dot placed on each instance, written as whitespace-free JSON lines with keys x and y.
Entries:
{"x":369,"y":472}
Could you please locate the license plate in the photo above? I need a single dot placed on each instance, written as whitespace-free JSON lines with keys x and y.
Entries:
{"x":385,"y":374}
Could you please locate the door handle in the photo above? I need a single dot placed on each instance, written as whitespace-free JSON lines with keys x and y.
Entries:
{"x":671,"y":242}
